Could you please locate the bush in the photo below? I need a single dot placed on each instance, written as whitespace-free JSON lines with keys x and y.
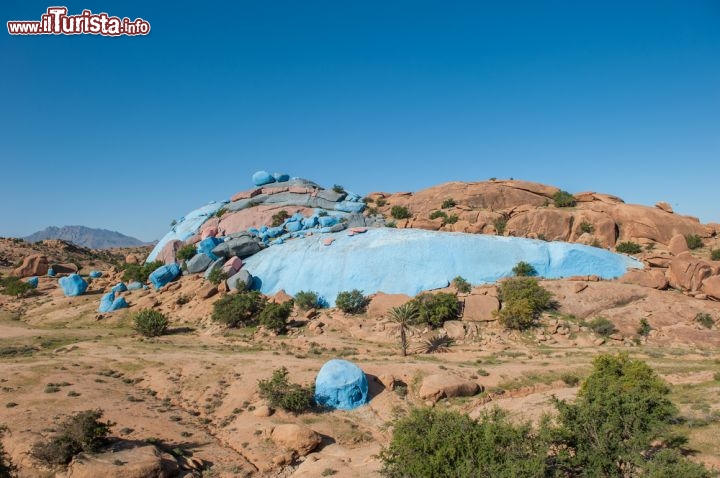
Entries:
{"x":279,"y":217}
{"x":13,"y":286}
{"x":140,"y":272}
{"x":670,"y":463}
{"x":381,"y":202}
{"x":705,"y":320}
{"x":221,"y":211}
{"x":570,"y":379}
{"x":391,"y":224}
{"x":523,"y":299}
{"x":274,"y":316}
{"x":586,"y":227}
{"x":150,"y":323}
{"x":217,"y":275}
{"x":280,"y":393}
{"x":351,"y":302}
{"x":7,"y":469}
{"x":602,"y":326}
{"x":524,"y":269}
{"x":239,"y":309}
{"x":448,"y":203}
{"x":338,"y":188}
{"x":437,"y":214}
{"x":500,"y":225}
{"x":372,"y":211}
{"x":400,"y":212}
{"x":430,"y":442}
{"x":564,"y":199}
{"x":715,"y":255}
{"x":435,"y":309}
{"x":307,"y":300}
{"x":186,"y":252}
{"x":451,"y":219}
{"x":461,"y":285}
{"x":81,"y":432}
{"x":644,"y":328}
{"x":628,"y":247}
{"x":693,"y":241}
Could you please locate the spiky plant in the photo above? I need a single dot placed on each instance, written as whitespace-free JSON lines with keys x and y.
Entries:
{"x":439,"y":343}
{"x":404,"y":315}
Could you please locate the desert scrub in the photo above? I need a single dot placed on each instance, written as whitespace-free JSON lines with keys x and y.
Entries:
{"x":400,"y":212}
{"x":715,"y":255}
{"x":239,"y":309}
{"x":351,"y":302}
{"x":279,"y":217}
{"x":338,"y":188}
{"x":628,"y":247}
{"x":461,"y":285}
{"x":644,"y":328}
{"x":693,"y":241}
{"x":438,"y":214}
{"x":14,"y":286}
{"x":307,"y":300}
{"x":523,"y":299}
{"x":186,"y":252}
{"x":217,"y":275}
{"x":138,"y":272}
{"x":381,"y":202}
{"x":281,"y":393}
{"x":81,"y":432}
{"x":586,"y":227}
{"x":564,"y":199}
{"x":448,"y":203}
{"x":601,"y":326}
{"x":524,"y":269}
{"x":435,"y":309}
{"x":274,"y":316}
{"x":7,"y":468}
{"x":150,"y":323}
{"x":500,"y":224}
{"x":705,"y":320}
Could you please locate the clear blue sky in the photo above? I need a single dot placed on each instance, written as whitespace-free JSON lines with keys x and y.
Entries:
{"x":128,"y":133}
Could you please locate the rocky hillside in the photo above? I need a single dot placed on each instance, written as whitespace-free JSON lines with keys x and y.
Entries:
{"x":86,"y":237}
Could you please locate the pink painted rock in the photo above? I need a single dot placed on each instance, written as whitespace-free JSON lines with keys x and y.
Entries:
{"x":257,"y":216}
{"x":328,"y":241}
{"x":358,"y":230}
{"x":233,"y":265}
{"x":193,"y":239}
{"x":250,"y":193}
{"x":167,"y":253}
{"x":209,"y":232}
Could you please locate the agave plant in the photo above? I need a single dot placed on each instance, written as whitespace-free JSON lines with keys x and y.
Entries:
{"x":404,"y":315}
{"x":439,"y":343}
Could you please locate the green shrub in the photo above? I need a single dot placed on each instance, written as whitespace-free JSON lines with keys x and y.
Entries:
{"x":693,"y":241}
{"x":274,"y":316}
{"x":602,"y":326}
{"x":7,"y":469}
{"x":644,"y":327}
{"x":431,"y":442}
{"x":217,"y":276}
{"x":391,"y":224}
{"x":351,"y":302}
{"x":221,"y":211}
{"x":451,"y":219}
{"x":715,"y":255}
{"x":400,"y":212}
{"x":13,"y":286}
{"x":279,"y":217}
{"x":437,"y":214}
{"x":570,"y":379}
{"x":500,"y":224}
{"x":307,"y":300}
{"x":381,"y":202}
{"x":628,"y":247}
{"x":670,"y":463}
{"x":586,"y":227}
{"x":705,"y":320}
{"x":448,"y":203}
{"x":523,"y":299}
{"x":368,"y":200}
{"x":140,"y":272}
{"x":524,"y":269}
{"x":338,"y":188}
{"x":81,"y":432}
{"x":564,"y":199}
{"x":372,"y":211}
{"x":186,"y":252}
{"x":435,"y":309}
{"x":280,"y":393}
{"x":150,"y":323}
{"x":239,"y":309}
{"x":461,"y":285}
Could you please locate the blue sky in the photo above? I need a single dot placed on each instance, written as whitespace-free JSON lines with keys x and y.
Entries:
{"x":128,"y":133}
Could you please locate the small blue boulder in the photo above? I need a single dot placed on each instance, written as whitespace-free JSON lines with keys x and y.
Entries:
{"x":281,"y":177}
{"x":164,"y":274}
{"x":51,"y":272}
{"x":33,"y":282}
{"x":95,"y":274}
{"x":341,"y":385}
{"x":261,"y":178}
{"x":121,"y":287}
{"x":207,"y":245}
{"x":73,"y":285}
{"x":134,"y":286}
{"x":108,"y":303}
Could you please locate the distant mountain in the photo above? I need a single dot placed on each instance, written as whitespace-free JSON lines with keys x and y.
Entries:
{"x":85,"y":236}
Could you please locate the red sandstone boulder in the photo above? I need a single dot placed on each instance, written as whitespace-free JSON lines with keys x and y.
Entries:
{"x":35,"y":265}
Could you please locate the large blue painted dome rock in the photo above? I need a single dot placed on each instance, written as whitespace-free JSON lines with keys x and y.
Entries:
{"x":409,"y":261}
{"x":341,"y":385}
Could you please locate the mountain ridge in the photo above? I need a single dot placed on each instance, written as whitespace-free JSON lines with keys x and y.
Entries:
{"x":93,"y":238}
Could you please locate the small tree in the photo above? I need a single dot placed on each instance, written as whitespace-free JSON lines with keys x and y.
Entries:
{"x":523,"y":299}
{"x":307,"y":300}
{"x":280,"y":393}
{"x":564,"y":199}
{"x":186,"y":252}
{"x":81,"y":432}
{"x":351,"y":302}
{"x":400,"y":212}
{"x":150,"y":323}
{"x":239,"y":309}
{"x":524,"y":269}
{"x":274,"y":316}
{"x":404,"y":315}
{"x":461,"y":285}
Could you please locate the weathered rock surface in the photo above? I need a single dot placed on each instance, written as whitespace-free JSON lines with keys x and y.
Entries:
{"x":297,"y":438}
{"x":652,"y":278}
{"x":687,"y":272}
{"x":438,"y":386}
{"x":35,"y":265}
{"x":139,"y":462}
